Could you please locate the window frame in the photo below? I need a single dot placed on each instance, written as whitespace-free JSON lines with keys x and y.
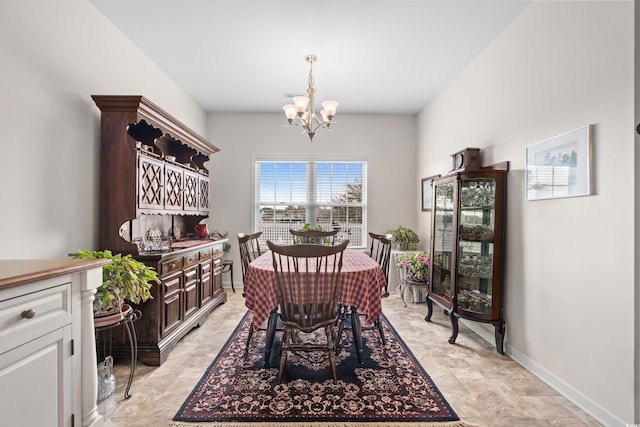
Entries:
{"x":314,"y":159}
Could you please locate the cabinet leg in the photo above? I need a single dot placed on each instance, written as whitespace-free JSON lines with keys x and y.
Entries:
{"x":500,"y":329}
{"x":427,"y":318}
{"x":454,"y":328}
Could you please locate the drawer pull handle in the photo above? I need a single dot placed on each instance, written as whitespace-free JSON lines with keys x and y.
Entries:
{"x":28,"y":314}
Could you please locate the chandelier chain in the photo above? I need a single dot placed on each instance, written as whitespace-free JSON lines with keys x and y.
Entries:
{"x":311,"y":82}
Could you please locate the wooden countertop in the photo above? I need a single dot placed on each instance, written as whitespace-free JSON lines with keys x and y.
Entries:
{"x":178,"y":247}
{"x":19,"y":272}
{"x":190,"y":243}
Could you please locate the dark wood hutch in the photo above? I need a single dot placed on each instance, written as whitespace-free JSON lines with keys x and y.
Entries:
{"x":154,"y":190}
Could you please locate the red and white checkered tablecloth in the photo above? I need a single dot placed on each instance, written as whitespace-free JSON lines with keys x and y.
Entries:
{"x":361,"y":276}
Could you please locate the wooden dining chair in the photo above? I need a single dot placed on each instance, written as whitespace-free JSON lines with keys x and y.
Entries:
{"x":316,"y":237}
{"x":249,"y":246}
{"x":380,"y":251}
{"x":249,"y":249}
{"x":307,"y":278}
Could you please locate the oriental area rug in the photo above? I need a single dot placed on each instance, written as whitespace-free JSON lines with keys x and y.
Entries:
{"x":389,"y":389}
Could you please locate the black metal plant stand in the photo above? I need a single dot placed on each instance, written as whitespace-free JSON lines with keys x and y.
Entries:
{"x":130,"y":316}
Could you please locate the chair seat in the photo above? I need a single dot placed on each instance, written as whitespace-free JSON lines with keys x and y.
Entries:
{"x":310,"y":316}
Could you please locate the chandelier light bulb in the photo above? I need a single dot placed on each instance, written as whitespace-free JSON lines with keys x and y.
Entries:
{"x":300,"y":103}
{"x":330,"y":107}
{"x":290,"y":112}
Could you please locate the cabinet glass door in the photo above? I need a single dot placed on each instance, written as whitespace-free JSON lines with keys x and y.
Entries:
{"x":475,"y":247}
{"x":442,"y":242}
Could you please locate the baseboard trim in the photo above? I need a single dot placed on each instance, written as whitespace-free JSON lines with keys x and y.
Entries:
{"x":575,"y":396}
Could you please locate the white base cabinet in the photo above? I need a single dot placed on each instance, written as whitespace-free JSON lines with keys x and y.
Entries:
{"x":37,"y":376}
{"x":46,"y":341}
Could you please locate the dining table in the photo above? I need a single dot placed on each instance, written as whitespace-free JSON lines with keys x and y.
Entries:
{"x":362,"y":282}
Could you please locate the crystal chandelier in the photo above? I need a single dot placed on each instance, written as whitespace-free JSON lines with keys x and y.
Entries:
{"x":298,"y":114}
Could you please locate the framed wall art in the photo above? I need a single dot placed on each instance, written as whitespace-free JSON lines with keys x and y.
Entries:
{"x":560,"y":166}
{"x":427,"y":192}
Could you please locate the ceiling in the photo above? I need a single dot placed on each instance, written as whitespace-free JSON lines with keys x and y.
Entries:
{"x":374,"y":56}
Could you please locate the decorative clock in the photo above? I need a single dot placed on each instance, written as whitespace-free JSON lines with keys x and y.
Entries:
{"x":465,"y":160}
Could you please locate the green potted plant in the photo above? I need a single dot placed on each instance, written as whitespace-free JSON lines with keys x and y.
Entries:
{"x":124,"y":279}
{"x":405,"y":238}
{"x":307,"y":227}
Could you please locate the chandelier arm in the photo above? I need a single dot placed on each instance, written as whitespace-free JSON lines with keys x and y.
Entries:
{"x":319,"y":126}
{"x":315,"y":124}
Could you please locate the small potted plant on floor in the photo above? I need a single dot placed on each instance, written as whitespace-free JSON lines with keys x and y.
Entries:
{"x":415,"y":265}
{"x":405,"y":238}
{"x":124,"y":279}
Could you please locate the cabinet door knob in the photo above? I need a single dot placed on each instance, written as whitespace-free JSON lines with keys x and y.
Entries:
{"x":28,"y":314}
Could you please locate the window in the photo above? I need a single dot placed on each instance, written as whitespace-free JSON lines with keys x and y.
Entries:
{"x":328,"y":194}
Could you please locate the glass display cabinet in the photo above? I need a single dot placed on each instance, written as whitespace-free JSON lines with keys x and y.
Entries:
{"x":467,"y":246}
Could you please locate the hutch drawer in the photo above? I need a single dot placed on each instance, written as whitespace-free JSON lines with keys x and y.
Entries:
{"x":206,"y":253}
{"x":170,"y":266}
{"x":191,"y":259}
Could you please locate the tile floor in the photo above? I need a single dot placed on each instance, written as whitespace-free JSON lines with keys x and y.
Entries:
{"x":483,"y":387}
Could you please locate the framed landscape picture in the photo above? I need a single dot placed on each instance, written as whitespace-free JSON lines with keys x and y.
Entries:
{"x":560,"y":166}
{"x":427,"y":192}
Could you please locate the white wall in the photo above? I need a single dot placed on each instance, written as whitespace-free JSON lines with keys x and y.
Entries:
{"x":387,"y":142}
{"x":560,"y":65}
{"x":637,"y":213}
{"x":570,"y":262}
{"x":54,"y":56}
